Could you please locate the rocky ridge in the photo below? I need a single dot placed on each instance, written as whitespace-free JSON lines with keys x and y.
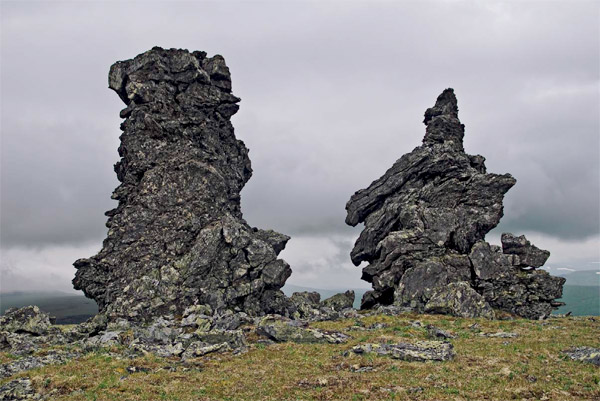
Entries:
{"x":425,"y":223}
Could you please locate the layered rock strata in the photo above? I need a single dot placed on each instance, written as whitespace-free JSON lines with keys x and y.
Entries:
{"x":177,"y":237}
{"x":425,"y":223}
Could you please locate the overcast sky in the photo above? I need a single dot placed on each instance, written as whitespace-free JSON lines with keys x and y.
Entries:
{"x":332,"y":94}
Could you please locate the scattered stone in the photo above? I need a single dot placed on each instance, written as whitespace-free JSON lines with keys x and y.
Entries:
{"x":361,"y":369}
{"x":584,"y":354}
{"x":377,"y":326}
{"x":425,"y":223}
{"x":500,"y":334}
{"x":137,"y":369}
{"x":475,"y":327}
{"x":29,"y":319}
{"x":31,"y":362}
{"x":281,"y":329}
{"x":177,"y":237}
{"x":420,"y":351}
{"x":199,"y":348}
{"x":435,"y":332}
{"x":319,"y":382}
{"x":18,"y":389}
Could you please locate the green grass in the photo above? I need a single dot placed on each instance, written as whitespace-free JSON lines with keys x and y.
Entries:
{"x":528,"y":367}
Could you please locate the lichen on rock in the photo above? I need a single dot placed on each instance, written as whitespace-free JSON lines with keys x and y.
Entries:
{"x":177,"y":237}
{"x":420,"y":351}
{"x":425,"y":223}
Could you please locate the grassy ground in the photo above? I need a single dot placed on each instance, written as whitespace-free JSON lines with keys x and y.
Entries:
{"x":528,"y":367}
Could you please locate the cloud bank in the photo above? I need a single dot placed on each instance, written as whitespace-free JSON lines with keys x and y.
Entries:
{"x":332,"y":94}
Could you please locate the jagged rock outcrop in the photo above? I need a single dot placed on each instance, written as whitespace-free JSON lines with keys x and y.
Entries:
{"x":425,"y":223}
{"x":177,"y":237}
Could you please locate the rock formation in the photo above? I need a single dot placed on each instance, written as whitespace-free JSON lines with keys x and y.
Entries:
{"x":177,"y":237}
{"x":425,"y":223}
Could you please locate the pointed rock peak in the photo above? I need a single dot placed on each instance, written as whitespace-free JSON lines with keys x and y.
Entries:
{"x":443,"y":125}
{"x":446,"y":104}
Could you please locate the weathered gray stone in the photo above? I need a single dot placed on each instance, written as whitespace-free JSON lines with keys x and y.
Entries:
{"x":459,"y":299}
{"x":198,"y":349}
{"x":339,"y":302}
{"x":419,"y":351}
{"x":500,"y":334}
{"x":29,"y":319}
{"x":306,"y":303}
{"x":177,"y":237}
{"x":584,"y":354}
{"x":281,"y":329}
{"x":19,"y":389}
{"x":31,"y":362}
{"x":423,"y":219}
{"x":528,"y":255}
{"x":436,"y":332}
{"x":527,"y":293}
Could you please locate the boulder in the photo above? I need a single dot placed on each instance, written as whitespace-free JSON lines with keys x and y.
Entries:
{"x":29,"y":319}
{"x":306,"y":303}
{"x":339,"y":302}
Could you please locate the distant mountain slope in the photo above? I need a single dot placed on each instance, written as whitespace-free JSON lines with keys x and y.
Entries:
{"x":67,"y":308}
{"x":587,"y":278}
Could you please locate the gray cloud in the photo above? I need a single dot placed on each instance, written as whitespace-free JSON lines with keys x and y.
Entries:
{"x":332,"y":94}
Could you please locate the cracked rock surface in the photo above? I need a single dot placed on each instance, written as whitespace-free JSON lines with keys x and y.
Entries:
{"x":425,"y":221}
{"x":177,"y":237}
